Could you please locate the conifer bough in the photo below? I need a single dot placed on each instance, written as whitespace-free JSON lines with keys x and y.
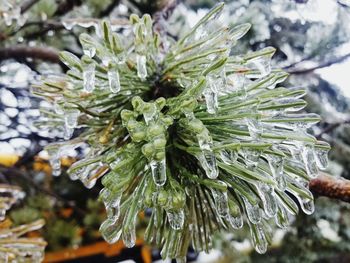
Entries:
{"x":200,"y":138}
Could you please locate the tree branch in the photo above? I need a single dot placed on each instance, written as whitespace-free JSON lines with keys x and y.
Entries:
{"x":322,"y":65}
{"x":21,"y":52}
{"x":332,"y":187}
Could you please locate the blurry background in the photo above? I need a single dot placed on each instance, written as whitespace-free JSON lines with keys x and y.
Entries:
{"x":312,"y":38}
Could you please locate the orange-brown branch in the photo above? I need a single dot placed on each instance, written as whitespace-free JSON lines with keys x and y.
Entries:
{"x":332,"y":187}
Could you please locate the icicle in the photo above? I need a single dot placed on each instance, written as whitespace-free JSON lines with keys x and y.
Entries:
{"x":89,"y":77}
{"x":221,"y":202}
{"x":176,"y":219}
{"x":259,"y":238}
{"x":321,"y":157}
{"x":110,"y":231}
{"x":281,"y":218}
{"x":141,"y":67}
{"x":208,"y":161}
{"x":68,"y":132}
{"x":158,"y":169}
{"x":211,"y":96}
{"x":276,"y":166}
{"x":129,"y":233}
{"x":113,"y":79}
{"x":307,"y":205}
{"x":268,"y":198}
{"x":253,"y":211}
{"x":308,"y":156}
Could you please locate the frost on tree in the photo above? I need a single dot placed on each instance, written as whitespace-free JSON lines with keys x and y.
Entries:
{"x":202,"y":139}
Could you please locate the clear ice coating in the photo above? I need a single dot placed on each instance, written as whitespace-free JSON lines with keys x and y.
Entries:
{"x":321,"y":157}
{"x":110,"y":230}
{"x":211,"y":96}
{"x":176,"y":219}
{"x":308,"y":157}
{"x":258,"y":237}
{"x":158,"y":169}
{"x":113,"y":79}
{"x":141,"y":67}
{"x":252,"y":211}
{"x":276,"y":164}
{"x":89,"y":77}
{"x":55,"y":163}
{"x":221,"y":202}
{"x":269,"y":200}
{"x":208,"y":161}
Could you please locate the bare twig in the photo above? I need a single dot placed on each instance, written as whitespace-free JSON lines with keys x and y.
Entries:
{"x":21,"y":52}
{"x":322,"y":65}
{"x":332,"y":187}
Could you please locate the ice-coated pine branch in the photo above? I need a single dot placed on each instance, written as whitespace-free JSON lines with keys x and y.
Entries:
{"x":204,"y":140}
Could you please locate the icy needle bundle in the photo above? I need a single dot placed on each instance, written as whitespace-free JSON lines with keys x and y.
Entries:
{"x":200,"y":138}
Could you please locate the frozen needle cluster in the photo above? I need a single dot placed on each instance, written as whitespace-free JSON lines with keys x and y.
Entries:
{"x":200,"y":138}
{"x":13,"y":246}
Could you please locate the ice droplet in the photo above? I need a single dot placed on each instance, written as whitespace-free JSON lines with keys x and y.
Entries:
{"x":307,"y":205}
{"x":110,"y":231}
{"x":176,"y":219}
{"x":129,"y":234}
{"x":259,"y":239}
{"x":253,"y":211}
{"x":158,"y":169}
{"x":89,"y":50}
{"x":89,"y":77}
{"x":141,"y":67}
{"x":208,"y":161}
{"x":211,"y":96}
{"x":235,"y":221}
{"x":281,"y":218}
{"x":113,"y":80}
{"x":321,"y":157}
{"x":221,"y":202}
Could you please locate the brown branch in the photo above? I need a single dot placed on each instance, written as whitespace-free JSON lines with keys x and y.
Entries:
{"x":332,"y":187}
{"x":21,"y":52}
{"x":323,"y":65}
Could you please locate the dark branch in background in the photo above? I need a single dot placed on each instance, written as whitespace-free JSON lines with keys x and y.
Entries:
{"x":109,"y":8}
{"x":16,"y":172}
{"x":28,"y":4}
{"x":322,"y":65}
{"x":66,"y":6}
{"x":20,"y":52}
{"x":332,"y":187}
{"x":331,"y":127}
